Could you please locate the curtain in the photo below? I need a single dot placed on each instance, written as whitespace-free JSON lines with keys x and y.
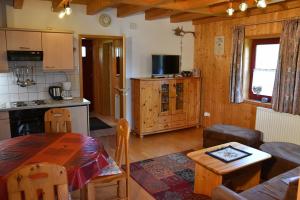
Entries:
{"x":286,"y":92}
{"x":236,"y":68}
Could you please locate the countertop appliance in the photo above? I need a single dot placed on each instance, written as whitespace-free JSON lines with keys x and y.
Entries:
{"x":55,"y":92}
{"x":18,"y":104}
{"x":67,"y":90}
{"x":24,"y":55}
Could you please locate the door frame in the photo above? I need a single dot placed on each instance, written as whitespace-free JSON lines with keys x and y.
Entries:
{"x":123,"y":90}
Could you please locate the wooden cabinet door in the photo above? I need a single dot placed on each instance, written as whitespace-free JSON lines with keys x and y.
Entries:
{"x":24,"y":40}
{"x":150,"y":104}
{"x":58,"y":51}
{"x":3,"y":56}
{"x":179,"y":102}
{"x":193,"y":115}
{"x":165,"y":97}
{"x":5,"y":127}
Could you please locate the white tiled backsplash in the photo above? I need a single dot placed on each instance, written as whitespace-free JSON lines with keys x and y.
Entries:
{"x":10,"y":91}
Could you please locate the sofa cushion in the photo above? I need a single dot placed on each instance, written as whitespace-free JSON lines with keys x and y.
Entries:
{"x":220,"y":134}
{"x":285,"y":156}
{"x":275,"y":188}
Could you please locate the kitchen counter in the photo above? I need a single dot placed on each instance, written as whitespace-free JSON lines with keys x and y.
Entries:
{"x":76,"y":101}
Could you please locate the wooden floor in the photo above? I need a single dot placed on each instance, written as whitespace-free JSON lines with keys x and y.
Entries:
{"x":149,"y":147}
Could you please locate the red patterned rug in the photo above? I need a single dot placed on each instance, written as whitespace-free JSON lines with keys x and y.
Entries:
{"x":169,"y":177}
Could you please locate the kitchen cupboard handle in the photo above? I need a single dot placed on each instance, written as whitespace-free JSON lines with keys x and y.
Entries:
{"x":50,"y":67}
{"x":24,"y":47}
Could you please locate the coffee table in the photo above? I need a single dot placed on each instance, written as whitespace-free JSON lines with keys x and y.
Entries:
{"x":211,"y":172}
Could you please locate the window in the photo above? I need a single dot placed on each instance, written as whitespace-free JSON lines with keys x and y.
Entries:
{"x":263,"y":64}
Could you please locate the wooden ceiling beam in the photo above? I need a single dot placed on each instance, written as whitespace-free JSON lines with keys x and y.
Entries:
{"x":126,"y":9}
{"x":287,"y":5}
{"x":190,"y":4}
{"x":57,"y":5}
{"x":158,"y":13}
{"x":183,"y":17}
{"x":95,"y":6}
{"x":18,"y":4}
{"x":148,"y":3}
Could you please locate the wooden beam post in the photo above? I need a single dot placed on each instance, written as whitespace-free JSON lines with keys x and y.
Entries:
{"x":158,"y":13}
{"x":127,"y":9}
{"x":95,"y":6}
{"x":182,"y":17}
{"x":18,"y":4}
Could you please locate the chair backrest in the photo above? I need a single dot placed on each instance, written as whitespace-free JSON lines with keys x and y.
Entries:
{"x":38,"y":181}
{"x":123,"y":132}
{"x":58,"y":120}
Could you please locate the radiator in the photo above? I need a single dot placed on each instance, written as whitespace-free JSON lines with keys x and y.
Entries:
{"x":277,"y":126}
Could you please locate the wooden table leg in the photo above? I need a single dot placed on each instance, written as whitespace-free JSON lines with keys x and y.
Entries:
{"x":246,"y":178}
{"x":205,"y":180}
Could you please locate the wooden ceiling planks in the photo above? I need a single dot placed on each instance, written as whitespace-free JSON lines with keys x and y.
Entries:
{"x":198,"y":11}
{"x":276,"y":7}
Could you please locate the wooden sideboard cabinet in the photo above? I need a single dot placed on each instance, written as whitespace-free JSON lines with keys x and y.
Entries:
{"x":164,"y":104}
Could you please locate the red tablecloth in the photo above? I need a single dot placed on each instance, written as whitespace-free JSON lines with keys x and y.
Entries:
{"x":84,"y":157}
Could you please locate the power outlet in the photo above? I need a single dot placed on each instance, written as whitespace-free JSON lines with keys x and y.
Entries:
{"x":206,"y":114}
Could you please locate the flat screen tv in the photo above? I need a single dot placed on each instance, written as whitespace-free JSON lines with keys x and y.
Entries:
{"x":165,"y":64}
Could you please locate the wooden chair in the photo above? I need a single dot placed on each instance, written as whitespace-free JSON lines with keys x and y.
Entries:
{"x":38,"y":181}
{"x":58,"y":120}
{"x":122,"y":139}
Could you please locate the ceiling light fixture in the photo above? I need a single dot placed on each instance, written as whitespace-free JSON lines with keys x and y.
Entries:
{"x":230,"y":10}
{"x":243,"y":6}
{"x":261,"y":3}
{"x":68,"y":9}
{"x":61,"y":14}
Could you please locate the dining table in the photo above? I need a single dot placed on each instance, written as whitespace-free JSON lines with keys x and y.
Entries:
{"x":83,"y":157}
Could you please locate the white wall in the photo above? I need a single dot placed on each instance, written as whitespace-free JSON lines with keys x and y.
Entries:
{"x":149,"y":37}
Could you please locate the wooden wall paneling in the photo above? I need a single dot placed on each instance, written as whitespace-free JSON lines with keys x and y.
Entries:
{"x":193,"y":113}
{"x":216,"y":69}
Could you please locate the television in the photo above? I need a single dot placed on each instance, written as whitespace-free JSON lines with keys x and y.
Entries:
{"x":165,"y":64}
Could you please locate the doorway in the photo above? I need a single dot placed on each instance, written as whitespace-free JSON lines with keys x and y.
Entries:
{"x":103,"y":75}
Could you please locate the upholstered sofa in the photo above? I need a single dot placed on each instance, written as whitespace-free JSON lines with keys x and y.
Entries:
{"x":281,"y":187}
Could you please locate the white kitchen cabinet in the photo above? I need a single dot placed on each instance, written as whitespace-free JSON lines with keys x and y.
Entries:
{"x":24,"y":40}
{"x":80,"y":120}
{"x":5,"y":126}
{"x":3,"y":55}
{"x":58,"y":51}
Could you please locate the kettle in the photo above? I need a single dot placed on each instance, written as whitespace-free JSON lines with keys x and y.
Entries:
{"x":55,"y":92}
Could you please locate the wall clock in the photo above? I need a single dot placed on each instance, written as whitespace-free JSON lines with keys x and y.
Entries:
{"x":104,"y":20}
